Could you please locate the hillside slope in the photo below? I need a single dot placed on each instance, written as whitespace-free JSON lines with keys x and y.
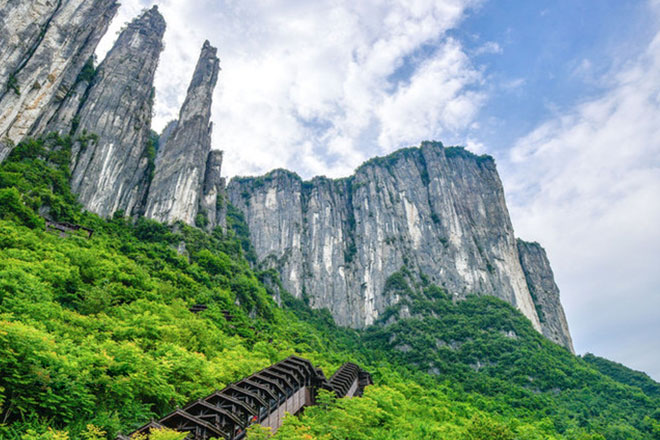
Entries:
{"x":95,"y":335}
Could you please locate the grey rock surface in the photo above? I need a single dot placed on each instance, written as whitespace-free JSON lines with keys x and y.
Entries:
{"x":20,"y":29}
{"x":110,"y":174}
{"x":167,"y":132}
{"x":176,"y":191}
{"x":60,"y":116}
{"x":439,"y":211}
{"x":545,"y":293}
{"x":43,"y":47}
{"x":213,"y":202}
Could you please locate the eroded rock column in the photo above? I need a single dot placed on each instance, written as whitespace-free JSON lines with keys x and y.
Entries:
{"x":545,"y":293}
{"x":109,"y":174}
{"x":177,"y":189}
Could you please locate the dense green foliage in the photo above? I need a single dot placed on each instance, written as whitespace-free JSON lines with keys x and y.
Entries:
{"x":96,"y":337}
{"x":624,"y":374}
{"x":12,"y":84}
{"x":462,"y":152}
{"x":493,"y":350}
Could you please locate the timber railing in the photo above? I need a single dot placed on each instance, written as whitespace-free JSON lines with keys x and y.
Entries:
{"x":265,"y":397}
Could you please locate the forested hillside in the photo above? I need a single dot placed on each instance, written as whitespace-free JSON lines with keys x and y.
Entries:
{"x":96,"y":337}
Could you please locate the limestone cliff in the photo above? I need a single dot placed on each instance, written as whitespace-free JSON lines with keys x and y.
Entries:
{"x":439,"y":211}
{"x":43,"y":47}
{"x":60,"y":117}
{"x":20,"y":30}
{"x":545,"y":293}
{"x":177,"y":189}
{"x":110,"y":173}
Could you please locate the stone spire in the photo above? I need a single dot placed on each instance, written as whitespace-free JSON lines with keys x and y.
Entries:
{"x":110,"y":174}
{"x":43,"y":47}
{"x":213,"y":203}
{"x":177,"y":188}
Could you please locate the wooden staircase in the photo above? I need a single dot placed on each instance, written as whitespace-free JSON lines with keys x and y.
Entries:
{"x":264,"y":397}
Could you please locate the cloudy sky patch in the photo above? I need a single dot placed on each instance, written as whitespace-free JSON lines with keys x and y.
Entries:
{"x":587,"y":185}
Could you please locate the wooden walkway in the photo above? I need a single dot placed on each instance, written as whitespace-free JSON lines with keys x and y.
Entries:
{"x":265,"y":397}
{"x":66,"y":229}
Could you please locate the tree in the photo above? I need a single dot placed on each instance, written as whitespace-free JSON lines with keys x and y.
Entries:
{"x":484,"y":428}
{"x":258,"y":432}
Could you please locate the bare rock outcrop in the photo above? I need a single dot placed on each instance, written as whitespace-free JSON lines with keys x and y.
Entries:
{"x":178,"y":187}
{"x":43,"y":47}
{"x":213,"y":207}
{"x":109,"y":173}
{"x":439,"y":211}
{"x":545,"y":293}
{"x":61,"y":116}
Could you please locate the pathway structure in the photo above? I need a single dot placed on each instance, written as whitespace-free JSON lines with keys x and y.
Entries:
{"x":265,"y":398}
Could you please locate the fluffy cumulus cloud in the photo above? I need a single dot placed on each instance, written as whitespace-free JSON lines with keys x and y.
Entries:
{"x":436,"y":100}
{"x":320,"y":86}
{"x":587,"y":185}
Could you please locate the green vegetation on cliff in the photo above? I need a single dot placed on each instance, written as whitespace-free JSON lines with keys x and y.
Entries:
{"x":96,"y":337}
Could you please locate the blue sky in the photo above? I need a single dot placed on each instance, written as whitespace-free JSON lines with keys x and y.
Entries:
{"x":563,"y":93}
{"x":552,"y":55}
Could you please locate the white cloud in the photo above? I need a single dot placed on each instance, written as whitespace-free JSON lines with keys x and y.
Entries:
{"x":435,"y":101}
{"x":475,"y":146}
{"x":587,"y":185}
{"x":315,"y":86}
{"x":513,"y":84}
{"x":490,"y":47}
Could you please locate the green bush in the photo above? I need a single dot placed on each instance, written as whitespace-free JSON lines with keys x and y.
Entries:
{"x":13,"y":208}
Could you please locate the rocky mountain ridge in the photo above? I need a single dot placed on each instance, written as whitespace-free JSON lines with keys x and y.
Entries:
{"x":440,"y":212}
{"x":107,"y":111}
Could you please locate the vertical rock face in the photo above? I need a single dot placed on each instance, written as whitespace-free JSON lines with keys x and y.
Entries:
{"x":167,"y":132}
{"x":176,"y":191}
{"x":109,"y":174}
{"x":545,"y":293}
{"x":43,"y":46}
{"x":60,"y":116}
{"x":20,"y":28}
{"x":439,"y":211}
{"x":212,"y":203}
